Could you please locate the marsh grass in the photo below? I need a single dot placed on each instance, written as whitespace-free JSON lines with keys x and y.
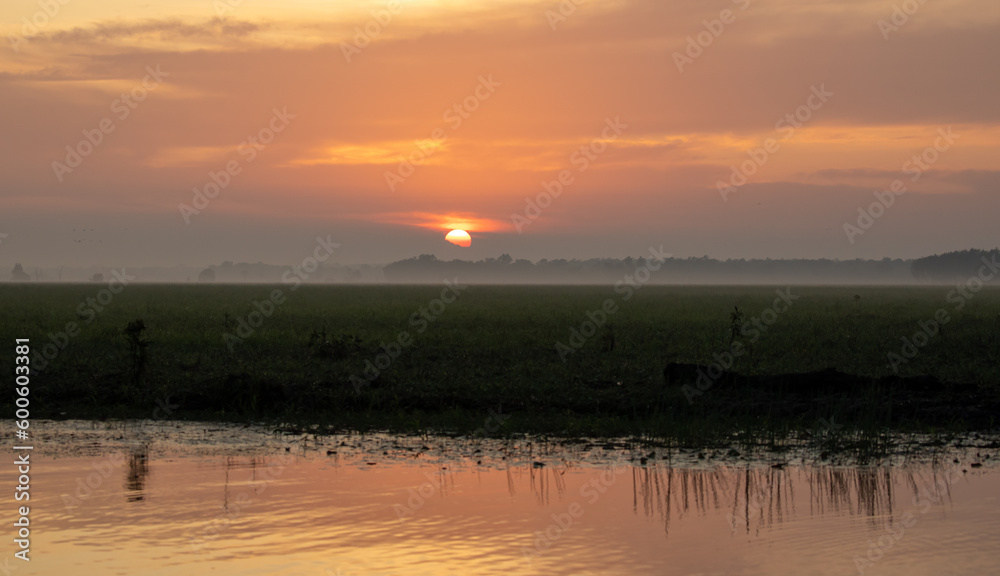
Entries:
{"x":494,"y":348}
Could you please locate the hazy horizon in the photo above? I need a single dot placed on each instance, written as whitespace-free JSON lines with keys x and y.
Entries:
{"x":657,"y":267}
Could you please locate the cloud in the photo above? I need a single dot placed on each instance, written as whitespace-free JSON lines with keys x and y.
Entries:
{"x":980,"y":181}
{"x":445,"y":222}
{"x":164,"y":29}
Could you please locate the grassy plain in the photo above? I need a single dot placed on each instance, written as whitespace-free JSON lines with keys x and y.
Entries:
{"x":491,"y":355}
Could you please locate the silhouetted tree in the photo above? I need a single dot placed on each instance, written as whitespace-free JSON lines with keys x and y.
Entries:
{"x":207,"y":275}
{"x":18,"y":274}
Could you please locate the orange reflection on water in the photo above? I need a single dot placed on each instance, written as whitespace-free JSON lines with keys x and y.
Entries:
{"x":316,"y":515}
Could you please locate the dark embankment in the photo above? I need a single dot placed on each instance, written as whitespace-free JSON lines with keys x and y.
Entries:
{"x":892,"y":400}
{"x":688,"y":402}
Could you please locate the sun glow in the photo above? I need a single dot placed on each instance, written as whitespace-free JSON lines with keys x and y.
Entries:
{"x":438,"y":221}
{"x":459,"y":238}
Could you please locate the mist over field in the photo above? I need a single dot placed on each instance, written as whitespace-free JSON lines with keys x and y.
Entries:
{"x":655,"y":267}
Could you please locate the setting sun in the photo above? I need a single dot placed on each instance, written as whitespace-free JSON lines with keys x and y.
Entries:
{"x":459,"y":238}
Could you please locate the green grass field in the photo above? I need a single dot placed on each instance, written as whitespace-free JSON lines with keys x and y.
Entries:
{"x":492,"y":348}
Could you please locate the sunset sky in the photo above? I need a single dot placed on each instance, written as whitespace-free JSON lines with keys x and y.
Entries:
{"x":489,"y":100}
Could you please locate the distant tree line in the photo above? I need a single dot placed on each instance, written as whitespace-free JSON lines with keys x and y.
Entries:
{"x":959,"y":266}
{"x":267,"y":273}
{"x":505,"y":269}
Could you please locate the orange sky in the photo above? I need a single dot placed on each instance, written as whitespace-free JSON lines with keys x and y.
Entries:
{"x":489,"y":100}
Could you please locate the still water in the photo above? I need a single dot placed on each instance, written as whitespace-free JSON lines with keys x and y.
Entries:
{"x":184,"y":499}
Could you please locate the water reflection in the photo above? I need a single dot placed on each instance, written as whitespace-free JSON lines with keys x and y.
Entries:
{"x":865,"y":491}
{"x":542,"y":479}
{"x":414,"y":509}
{"x":136,"y":473}
{"x":749,"y":495}
{"x":752,"y":496}
{"x":756,"y":496}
